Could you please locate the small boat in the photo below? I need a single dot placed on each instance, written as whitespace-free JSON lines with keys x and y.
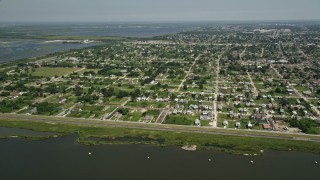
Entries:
{"x":89,"y":153}
{"x":209,"y":160}
{"x":251,"y":162}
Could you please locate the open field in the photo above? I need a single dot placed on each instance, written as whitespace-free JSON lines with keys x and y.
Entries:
{"x":51,"y":72}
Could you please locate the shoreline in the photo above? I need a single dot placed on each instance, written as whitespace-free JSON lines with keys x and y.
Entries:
{"x":89,"y":135}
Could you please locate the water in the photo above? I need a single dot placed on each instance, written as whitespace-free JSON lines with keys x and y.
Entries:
{"x":64,"y":158}
{"x":22,"y":132}
{"x":98,"y":29}
{"x":15,"y":49}
{"x":20,"y":41}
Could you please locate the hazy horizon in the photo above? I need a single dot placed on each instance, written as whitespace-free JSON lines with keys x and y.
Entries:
{"x":157,"y":11}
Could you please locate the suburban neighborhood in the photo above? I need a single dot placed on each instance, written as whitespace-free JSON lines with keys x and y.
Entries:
{"x":259,"y":77}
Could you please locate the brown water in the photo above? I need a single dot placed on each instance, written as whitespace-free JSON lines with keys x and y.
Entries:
{"x":64,"y":158}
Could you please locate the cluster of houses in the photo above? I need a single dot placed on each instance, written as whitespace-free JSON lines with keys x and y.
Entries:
{"x":162,"y":99}
{"x":237,"y":125}
{"x":143,"y":98}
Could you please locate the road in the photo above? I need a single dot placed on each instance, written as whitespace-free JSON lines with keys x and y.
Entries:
{"x":162,"y":116}
{"x":215,"y":101}
{"x":252,"y":84}
{"x":299,"y":94}
{"x":305,"y":99}
{"x":108,"y":116}
{"x":188,"y":73}
{"x":243,"y":52}
{"x":262,"y":53}
{"x":281,"y":50}
{"x":162,"y":127}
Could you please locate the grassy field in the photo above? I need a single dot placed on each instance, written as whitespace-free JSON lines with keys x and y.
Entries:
{"x":50,"y":72}
{"x":180,"y":120}
{"x":104,"y":135}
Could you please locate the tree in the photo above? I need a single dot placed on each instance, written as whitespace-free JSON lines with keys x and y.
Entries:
{"x":284,"y":102}
{"x":108,"y":92}
{"x":306,"y":125}
{"x":52,"y":89}
{"x":277,"y":90}
{"x":78,"y":91}
{"x":122,"y":94}
{"x":185,"y":87}
{"x":123,"y":111}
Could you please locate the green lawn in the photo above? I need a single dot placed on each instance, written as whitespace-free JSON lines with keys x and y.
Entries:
{"x":50,"y":72}
{"x":132,"y":116}
{"x":180,"y":120}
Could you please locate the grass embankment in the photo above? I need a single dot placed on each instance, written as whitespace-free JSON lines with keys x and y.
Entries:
{"x":105,"y":135}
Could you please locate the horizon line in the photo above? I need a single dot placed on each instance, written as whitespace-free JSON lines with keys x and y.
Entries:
{"x":167,"y":21}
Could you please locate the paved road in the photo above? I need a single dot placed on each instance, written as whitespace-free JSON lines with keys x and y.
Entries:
{"x":215,"y":101}
{"x":188,"y":73}
{"x":306,"y":99}
{"x":162,"y":127}
{"x":254,"y":86}
{"x":162,"y":116}
{"x":299,"y":94}
{"x":243,"y":52}
{"x":262,"y":53}
{"x":281,"y":50}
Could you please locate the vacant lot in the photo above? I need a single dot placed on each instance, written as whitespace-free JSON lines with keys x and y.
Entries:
{"x":49,"y":72}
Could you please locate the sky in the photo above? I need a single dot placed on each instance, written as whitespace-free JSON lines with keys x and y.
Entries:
{"x":156,"y":10}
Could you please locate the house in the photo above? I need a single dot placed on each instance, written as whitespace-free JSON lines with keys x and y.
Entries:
{"x":305,"y":112}
{"x":266,"y":127}
{"x":37,"y":65}
{"x":205,"y":116}
{"x":249,"y":125}
{"x":159,"y":100}
{"x":282,"y":61}
{"x":33,"y":110}
{"x":175,"y":111}
{"x":260,"y":119}
{"x":238,"y":125}
{"x":236,"y":103}
{"x":225,"y":123}
{"x":290,"y":91}
{"x":263,"y":105}
{"x":197,"y":122}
